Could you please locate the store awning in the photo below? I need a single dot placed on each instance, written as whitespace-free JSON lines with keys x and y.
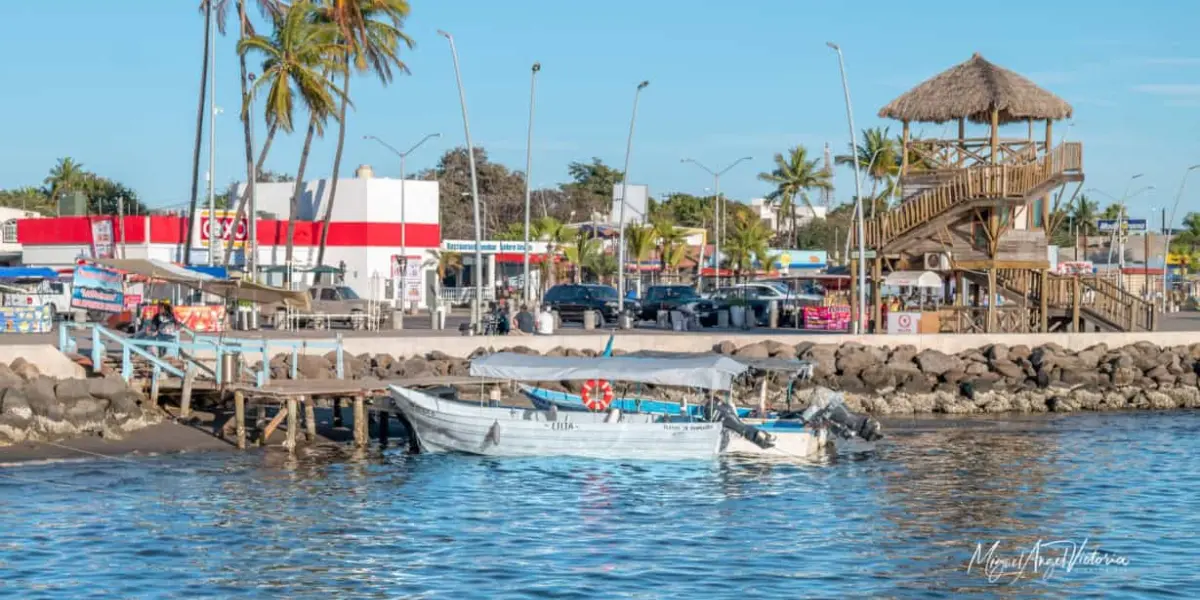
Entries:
{"x":229,"y":288}
{"x":14,"y":273}
{"x":918,"y":279}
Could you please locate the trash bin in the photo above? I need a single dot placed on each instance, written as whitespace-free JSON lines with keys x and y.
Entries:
{"x":589,"y":320}
{"x":397,"y":319}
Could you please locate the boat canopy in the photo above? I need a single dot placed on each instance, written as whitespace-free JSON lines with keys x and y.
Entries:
{"x":787,"y":365}
{"x":713,"y":372}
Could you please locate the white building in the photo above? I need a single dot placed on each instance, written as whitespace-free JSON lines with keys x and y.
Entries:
{"x":10,"y":246}
{"x":365,"y":234}
{"x":768,"y":211}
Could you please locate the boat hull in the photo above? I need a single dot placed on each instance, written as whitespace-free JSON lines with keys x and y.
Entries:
{"x":451,"y":426}
{"x":790,"y":442}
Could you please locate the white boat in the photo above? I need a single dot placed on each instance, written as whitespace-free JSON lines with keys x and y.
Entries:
{"x":444,"y":425}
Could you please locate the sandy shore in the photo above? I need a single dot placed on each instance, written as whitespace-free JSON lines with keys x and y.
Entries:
{"x":155,"y":439}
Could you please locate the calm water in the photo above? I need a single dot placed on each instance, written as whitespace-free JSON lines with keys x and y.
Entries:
{"x":902,"y":521}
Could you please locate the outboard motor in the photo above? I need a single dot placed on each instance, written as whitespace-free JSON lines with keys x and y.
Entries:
{"x":829,"y":410}
{"x":728,"y":418}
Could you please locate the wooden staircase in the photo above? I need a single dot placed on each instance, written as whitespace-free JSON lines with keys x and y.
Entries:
{"x":972,"y":187}
{"x":1099,"y":300}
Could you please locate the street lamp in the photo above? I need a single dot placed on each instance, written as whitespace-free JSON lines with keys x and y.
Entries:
{"x":403,"y":217}
{"x":1171,"y":229}
{"x":870,"y":165}
{"x":537,"y":66}
{"x":624,"y":194}
{"x":858,"y":207}
{"x":477,"y":306}
{"x":718,"y":220}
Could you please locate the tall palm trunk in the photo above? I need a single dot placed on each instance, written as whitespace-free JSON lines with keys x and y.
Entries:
{"x":244,"y":199}
{"x":337,"y":163}
{"x":294,"y":208}
{"x":246,"y":125}
{"x":191,"y":216}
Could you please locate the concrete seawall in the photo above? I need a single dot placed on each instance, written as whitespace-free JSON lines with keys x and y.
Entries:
{"x":704,"y":342}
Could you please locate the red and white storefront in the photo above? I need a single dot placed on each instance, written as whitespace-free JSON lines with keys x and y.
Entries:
{"x":365,"y":234}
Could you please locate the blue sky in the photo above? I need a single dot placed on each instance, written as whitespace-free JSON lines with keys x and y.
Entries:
{"x":113,"y":84}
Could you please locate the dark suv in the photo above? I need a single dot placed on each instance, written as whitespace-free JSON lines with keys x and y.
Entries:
{"x":571,"y":301}
{"x":675,"y":297}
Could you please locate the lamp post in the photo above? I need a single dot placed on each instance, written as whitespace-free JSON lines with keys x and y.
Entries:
{"x":870,"y":165}
{"x":858,"y":207}
{"x":251,"y":249}
{"x":1170,"y":228}
{"x":397,"y":294}
{"x":718,"y":219}
{"x":624,"y":193}
{"x":212,"y":142}
{"x":537,"y":66}
{"x":477,"y":306}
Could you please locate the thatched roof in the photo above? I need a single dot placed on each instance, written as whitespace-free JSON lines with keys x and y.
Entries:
{"x":971,"y":90}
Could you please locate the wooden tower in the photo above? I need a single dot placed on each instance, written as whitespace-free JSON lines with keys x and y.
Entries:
{"x":981,"y":208}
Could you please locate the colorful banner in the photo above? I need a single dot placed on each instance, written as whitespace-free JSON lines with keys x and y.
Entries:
{"x":903,"y":323}
{"x":196,"y":318}
{"x":103,"y":238}
{"x":827,"y":318}
{"x":1075,"y":267}
{"x":97,"y":288}
{"x":26,"y":319}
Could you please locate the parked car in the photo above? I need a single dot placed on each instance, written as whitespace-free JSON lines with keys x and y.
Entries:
{"x":331,"y":304}
{"x":758,"y":295}
{"x":676,"y":297}
{"x":571,"y":300}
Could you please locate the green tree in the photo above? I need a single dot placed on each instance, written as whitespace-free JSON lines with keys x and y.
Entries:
{"x":591,"y":187}
{"x":748,"y":240}
{"x":29,"y":198}
{"x":298,"y":57}
{"x":66,"y":176}
{"x":794,"y":176}
{"x":556,"y":236}
{"x":1083,"y":215}
{"x":369,"y":37}
{"x":879,"y":157}
{"x":581,"y":250}
{"x":1112,"y":211}
{"x":501,"y":190}
{"x":639,"y":242}
{"x":603,"y":266}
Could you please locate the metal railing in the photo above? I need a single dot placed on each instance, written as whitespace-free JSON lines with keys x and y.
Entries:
{"x":188,"y":348}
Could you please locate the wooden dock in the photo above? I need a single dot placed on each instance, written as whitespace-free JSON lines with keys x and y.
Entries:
{"x":297,"y":399}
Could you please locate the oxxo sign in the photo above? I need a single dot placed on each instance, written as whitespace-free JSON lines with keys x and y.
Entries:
{"x":225,"y":228}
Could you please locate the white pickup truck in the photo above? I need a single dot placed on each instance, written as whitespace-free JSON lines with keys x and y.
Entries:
{"x":56,"y":294}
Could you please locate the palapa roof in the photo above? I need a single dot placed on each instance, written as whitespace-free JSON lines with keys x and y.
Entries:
{"x":971,"y":90}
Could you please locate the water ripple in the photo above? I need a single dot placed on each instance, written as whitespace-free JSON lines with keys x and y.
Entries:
{"x":901,"y":520}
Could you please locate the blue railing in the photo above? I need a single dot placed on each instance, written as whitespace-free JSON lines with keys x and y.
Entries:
{"x":195,"y":344}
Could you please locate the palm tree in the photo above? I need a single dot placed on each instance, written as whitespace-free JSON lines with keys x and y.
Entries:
{"x":1112,"y":211}
{"x":748,"y":241}
{"x":669,"y":237}
{"x":1084,"y":215}
{"x":603,"y":266}
{"x":673,"y":254}
{"x":639,"y":242}
{"x":581,"y":251}
{"x":270,"y":8}
{"x":208,"y":12}
{"x":794,"y":176}
{"x":66,"y":176}
{"x":879,"y":155}
{"x":369,"y":37}
{"x":556,"y":235}
{"x":298,"y":57}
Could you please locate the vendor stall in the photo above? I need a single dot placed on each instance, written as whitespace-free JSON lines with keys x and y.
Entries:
{"x":912,"y":301}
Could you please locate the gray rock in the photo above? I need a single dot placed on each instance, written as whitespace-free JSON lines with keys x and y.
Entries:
{"x":852,"y":384}
{"x":85,"y":410}
{"x":1008,"y":369}
{"x":1019,"y":352}
{"x":878,"y":378}
{"x":127,"y":405}
{"x":311,"y":366}
{"x":8,"y":378}
{"x":71,"y":389}
{"x":780,"y":350}
{"x":918,"y":385}
{"x":855,"y":362}
{"x":16,"y":403}
{"x":953,"y":377}
{"x":24,"y":369}
{"x":933,"y":362}
{"x":1125,"y":376}
{"x":755,"y":350}
{"x":106,"y":387}
{"x":975,"y":368}
{"x":997,"y":352}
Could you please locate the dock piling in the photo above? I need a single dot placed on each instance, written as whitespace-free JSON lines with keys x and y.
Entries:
{"x":293,"y":424}
{"x":337,"y":412}
{"x":383,"y":428}
{"x":185,"y":398}
{"x":310,"y":419}
{"x":360,"y":422}
{"x":239,"y":416}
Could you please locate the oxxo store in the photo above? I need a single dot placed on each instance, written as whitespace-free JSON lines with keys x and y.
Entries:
{"x":503,"y":264}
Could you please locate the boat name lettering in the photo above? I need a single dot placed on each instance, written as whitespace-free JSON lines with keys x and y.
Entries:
{"x":697,"y":427}
{"x":562,"y":426}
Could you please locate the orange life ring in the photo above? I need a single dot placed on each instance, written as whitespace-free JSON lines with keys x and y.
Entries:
{"x":597,"y":394}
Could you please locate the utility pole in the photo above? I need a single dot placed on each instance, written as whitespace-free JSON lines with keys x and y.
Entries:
{"x":121,"y":222}
{"x":212,"y":143}
{"x":529,"y":182}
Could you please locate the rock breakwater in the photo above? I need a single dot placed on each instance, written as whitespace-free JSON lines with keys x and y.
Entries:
{"x":34,"y":407}
{"x":891,"y":380}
